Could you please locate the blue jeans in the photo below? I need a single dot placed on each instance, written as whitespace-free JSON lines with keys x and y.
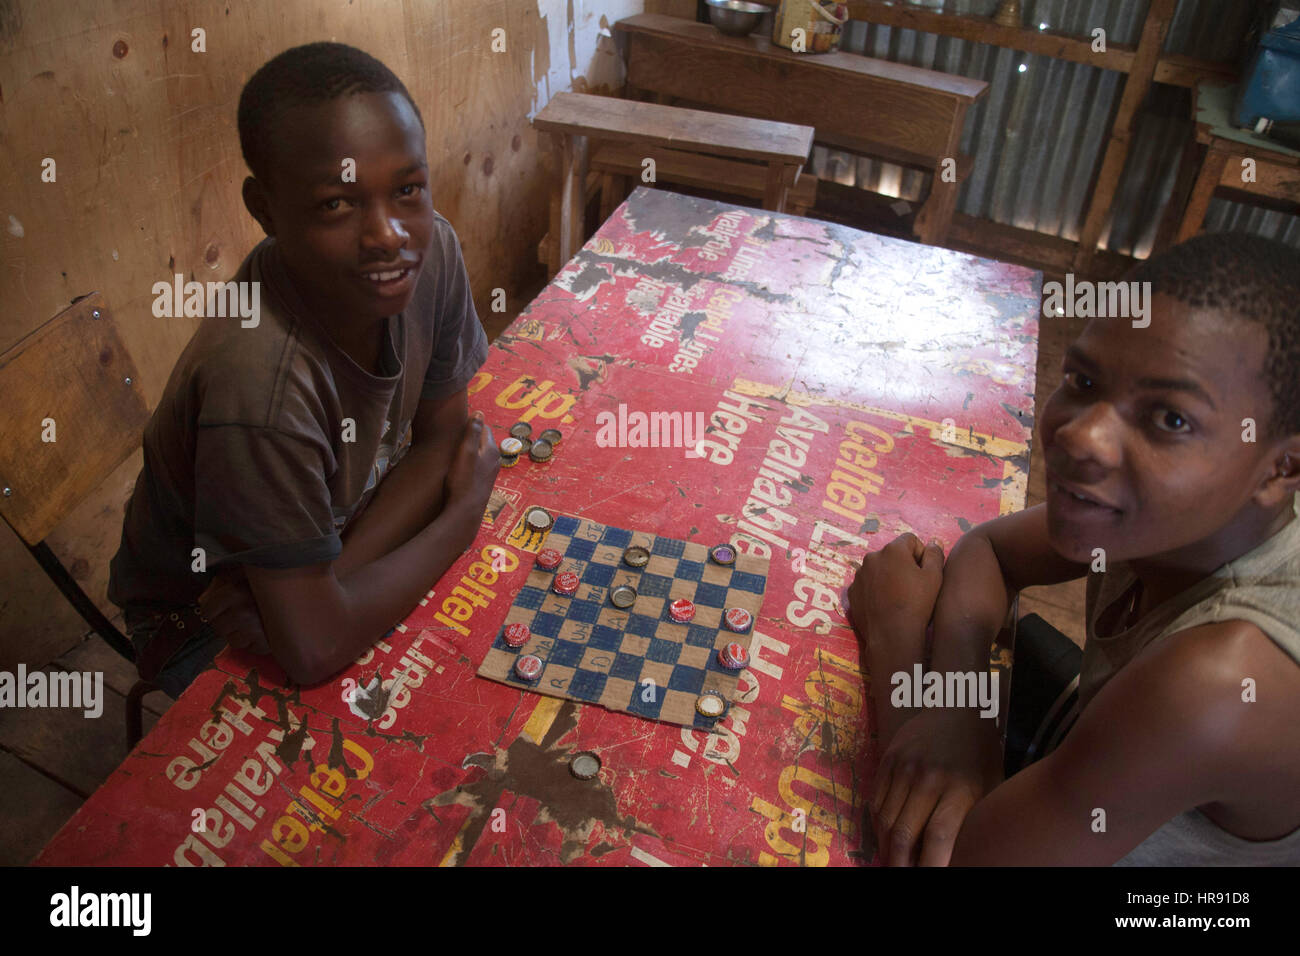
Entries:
{"x":194,"y":657}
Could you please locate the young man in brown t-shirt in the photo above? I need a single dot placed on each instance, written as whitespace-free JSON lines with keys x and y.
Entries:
{"x":259,"y":519}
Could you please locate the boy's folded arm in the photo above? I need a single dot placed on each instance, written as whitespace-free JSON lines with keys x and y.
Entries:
{"x":412,"y":493}
{"x":1168,"y":733}
{"x":984,"y":571}
{"x":988,"y":566}
{"x":317,"y":621}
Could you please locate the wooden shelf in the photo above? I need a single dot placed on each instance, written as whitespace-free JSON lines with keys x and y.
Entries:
{"x":1172,"y":70}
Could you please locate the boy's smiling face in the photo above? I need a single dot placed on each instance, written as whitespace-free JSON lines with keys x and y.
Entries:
{"x":1147,"y":428}
{"x":354,"y":249}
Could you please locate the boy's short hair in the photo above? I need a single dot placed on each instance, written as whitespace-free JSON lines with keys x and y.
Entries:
{"x":1251,"y":279}
{"x":312,"y":73}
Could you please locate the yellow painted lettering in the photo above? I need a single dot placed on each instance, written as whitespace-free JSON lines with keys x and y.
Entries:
{"x":290,"y":834}
{"x":363,"y":754}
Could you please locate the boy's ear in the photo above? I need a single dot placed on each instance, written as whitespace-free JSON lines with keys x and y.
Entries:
{"x":1283,"y":480}
{"x":256,"y":204}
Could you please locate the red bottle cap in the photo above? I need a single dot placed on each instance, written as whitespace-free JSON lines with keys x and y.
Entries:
{"x":566,"y":582}
{"x":681,"y":610}
{"x":738,"y":619}
{"x":549,"y":559}
{"x":733,"y":656}
{"x":528,"y":667}
{"x":517,"y":634}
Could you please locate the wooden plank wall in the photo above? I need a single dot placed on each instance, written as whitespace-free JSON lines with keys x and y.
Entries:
{"x":143,"y":133}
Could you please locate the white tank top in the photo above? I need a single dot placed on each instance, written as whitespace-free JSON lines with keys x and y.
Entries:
{"x":1262,"y":588}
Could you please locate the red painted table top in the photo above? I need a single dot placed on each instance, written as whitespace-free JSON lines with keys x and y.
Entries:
{"x":853,"y":387}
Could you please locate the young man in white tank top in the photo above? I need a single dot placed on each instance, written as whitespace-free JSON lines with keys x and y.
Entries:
{"x":1173,"y":455}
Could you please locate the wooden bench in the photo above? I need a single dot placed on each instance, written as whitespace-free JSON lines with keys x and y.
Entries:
{"x":619,"y":162}
{"x":681,"y":139}
{"x":902,"y":114}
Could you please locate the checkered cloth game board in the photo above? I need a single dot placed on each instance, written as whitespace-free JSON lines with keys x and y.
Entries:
{"x":595,"y":653}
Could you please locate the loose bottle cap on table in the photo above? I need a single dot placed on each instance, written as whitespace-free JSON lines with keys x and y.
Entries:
{"x":723,"y":554}
{"x":521,"y":429}
{"x":539,"y":520}
{"x":737,"y":619}
{"x":623,"y":596}
{"x":733,"y":656}
{"x":636,"y":556}
{"x":510,"y":447}
{"x":710,"y":704}
{"x":584,"y":765}
{"x":528,"y":667}
{"x":566,"y":582}
{"x":551,"y":435}
{"x":517,"y":634}
{"x":681,"y":610}
{"x":549,"y":559}
{"x":541,"y":450}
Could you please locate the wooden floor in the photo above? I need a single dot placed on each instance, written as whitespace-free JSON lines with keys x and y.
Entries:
{"x":52,"y":760}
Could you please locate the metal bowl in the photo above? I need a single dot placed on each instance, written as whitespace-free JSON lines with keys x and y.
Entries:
{"x":735,"y":17}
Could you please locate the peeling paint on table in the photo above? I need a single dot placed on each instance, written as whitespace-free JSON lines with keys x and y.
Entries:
{"x":854,"y":387}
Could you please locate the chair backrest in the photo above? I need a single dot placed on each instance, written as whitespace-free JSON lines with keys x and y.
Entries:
{"x":72,"y":381}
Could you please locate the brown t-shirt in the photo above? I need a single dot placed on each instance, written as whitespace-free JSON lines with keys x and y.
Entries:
{"x":248,"y":454}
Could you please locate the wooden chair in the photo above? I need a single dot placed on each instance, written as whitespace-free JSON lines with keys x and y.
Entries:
{"x":73,"y":375}
{"x":691,"y":143}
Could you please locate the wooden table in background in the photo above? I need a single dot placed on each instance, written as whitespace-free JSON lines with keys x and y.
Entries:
{"x":1248,"y":167}
{"x":891,"y":111}
{"x":857,"y":386}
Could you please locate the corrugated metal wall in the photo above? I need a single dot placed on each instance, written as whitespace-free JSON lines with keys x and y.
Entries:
{"x":1039,"y":134}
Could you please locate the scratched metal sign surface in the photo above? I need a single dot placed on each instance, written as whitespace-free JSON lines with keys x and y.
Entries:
{"x":851,"y":387}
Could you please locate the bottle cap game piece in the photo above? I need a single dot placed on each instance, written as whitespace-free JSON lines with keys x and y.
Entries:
{"x":541,"y":450}
{"x":509,"y":461}
{"x":681,"y":610}
{"x":723,"y":554}
{"x":517,"y":634}
{"x":566,"y":583}
{"x":733,"y":656}
{"x":528,"y":667}
{"x":623,"y":596}
{"x":539,"y":520}
{"x":711,"y":704}
{"x":737,"y":619}
{"x":511,"y":446}
{"x":551,"y":435}
{"x":549,"y":559}
{"x":526,"y":444}
{"x":584,"y":765}
{"x":521,"y":429}
{"x":636,"y":556}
